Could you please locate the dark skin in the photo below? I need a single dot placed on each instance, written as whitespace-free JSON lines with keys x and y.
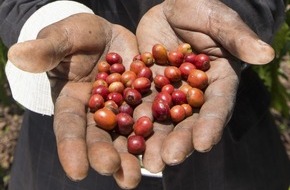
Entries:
{"x":69,"y":50}
{"x":208,"y":35}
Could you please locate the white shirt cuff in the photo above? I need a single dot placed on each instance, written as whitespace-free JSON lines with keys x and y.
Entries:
{"x":33,"y":90}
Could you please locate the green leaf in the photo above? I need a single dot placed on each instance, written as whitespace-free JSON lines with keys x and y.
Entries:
{"x":3,"y":59}
{"x":287,"y":17}
{"x":282,"y":40}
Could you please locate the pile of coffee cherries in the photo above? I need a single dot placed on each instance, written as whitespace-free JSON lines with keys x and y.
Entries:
{"x":116,"y":92}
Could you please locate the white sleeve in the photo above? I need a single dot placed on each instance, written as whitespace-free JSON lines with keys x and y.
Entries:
{"x":32,"y":91}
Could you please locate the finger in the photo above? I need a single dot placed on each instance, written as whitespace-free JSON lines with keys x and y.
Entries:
{"x":149,"y":33}
{"x":103,"y":157}
{"x":85,"y":32}
{"x":128,"y":176}
{"x":202,"y":43}
{"x":178,"y":144}
{"x":235,"y":35}
{"x":43,"y":58}
{"x":217,"y":109}
{"x":152,"y":160}
{"x":70,"y":129}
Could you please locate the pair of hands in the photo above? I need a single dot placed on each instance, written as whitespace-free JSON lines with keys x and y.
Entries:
{"x":69,"y":50}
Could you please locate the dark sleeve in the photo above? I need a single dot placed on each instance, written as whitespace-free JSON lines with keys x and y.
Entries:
{"x":263,"y":16}
{"x":124,"y":12}
{"x":13,"y":14}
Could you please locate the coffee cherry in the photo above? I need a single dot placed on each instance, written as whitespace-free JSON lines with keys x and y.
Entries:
{"x":184,"y":48}
{"x":100,"y":82}
{"x":105,"y":119}
{"x":96,"y":101}
{"x":116,"y":87}
{"x":169,"y":88}
{"x":178,"y":97}
{"x":177,"y":113}
{"x":113,"y":57}
{"x":128,"y":77}
{"x":101,"y":90}
{"x":189,"y":57}
{"x":185,"y":69}
{"x":101,"y":75}
{"x":137,"y":57}
{"x":117,"y":68}
{"x":143,"y":126}
{"x":175,"y":58}
{"x":147,"y":58}
{"x":125,"y":123}
{"x":116,"y":92}
{"x":159,"y":53}
{"x":113,"y":77}
{"x":145,"y":72}
{"x":103,"y":66}
{"x":195,"y":97}
{"x":142,"y":84}
{"x":111,"y":105}
{"x":136,"y":66}
{"x":188,"y":109}
{"x":197,"y":79}
{"x":185,"y":87}
{"x":202,"y":62}
{"x":160,"y":81}
{"x":165,"y":97}
{"x":136,"y":144}
{"x":172,"y":73}
{"x":160,"y":110}
{"x":116,"y":97}
{"x":126,"y":108}
{"x":132,"y":97}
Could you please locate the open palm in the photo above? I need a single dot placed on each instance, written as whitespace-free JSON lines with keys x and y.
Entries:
{"x":214,"y":29}
{"x":68,"y":51}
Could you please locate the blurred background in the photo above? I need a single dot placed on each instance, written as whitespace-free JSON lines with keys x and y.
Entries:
{"x":275,"y":75}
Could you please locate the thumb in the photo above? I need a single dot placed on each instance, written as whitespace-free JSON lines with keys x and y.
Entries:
{"x":223,"y":25}
{"x":38,"y":55}
{"x":77,"y":33}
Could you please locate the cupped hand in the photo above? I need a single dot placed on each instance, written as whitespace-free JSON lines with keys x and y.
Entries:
{"x":209,"y":27}
{"x":68,"y":52}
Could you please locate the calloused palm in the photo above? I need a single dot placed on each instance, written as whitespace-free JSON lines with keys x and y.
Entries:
{"x":68,"y":52}
{"x":212,"y":28}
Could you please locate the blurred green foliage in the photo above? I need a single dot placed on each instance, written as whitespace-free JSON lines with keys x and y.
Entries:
{"x":272,"y":74}
{"x":3,"y":80}
{"x":3,"y":100}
